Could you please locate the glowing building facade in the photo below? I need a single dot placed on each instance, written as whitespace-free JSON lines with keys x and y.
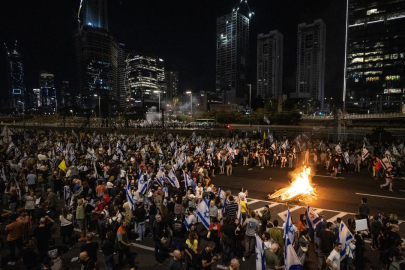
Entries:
{"x":376,"y":56}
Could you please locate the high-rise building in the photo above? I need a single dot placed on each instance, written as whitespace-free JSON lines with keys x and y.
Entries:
{"x":172,"y":83}
{"x":311,"y":61}
{"x":66,"y":97}
{"x":96,"y":65}
{"x":95,"y":13}
{"x":145,"y":76}
{"x":15,"y":95}
{"x":232,"y":56}
{"x":96,"y":58}
{"x":270,"y":64}
{"x":375,"y":56}
{"x":121,"y":91}
{"x":47,"y":90}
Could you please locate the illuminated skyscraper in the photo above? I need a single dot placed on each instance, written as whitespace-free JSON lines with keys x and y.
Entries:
{"x":270,"y":64}
{"x":66,"y":97}
{"x":232,"y":56}
{"x":16,"y":89}
{"x":172,"y":83}
{"x":375,"y":56}
{"x":311,"y":61}
{"x":47,"y":90}
{"x":121,"y":91}
{"x":96,"y":58}
{"x":145,"y":74}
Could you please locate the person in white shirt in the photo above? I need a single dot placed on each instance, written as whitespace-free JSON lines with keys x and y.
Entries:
{"x":333,"y":259}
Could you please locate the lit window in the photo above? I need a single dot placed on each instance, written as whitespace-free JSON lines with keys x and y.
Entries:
{"x":392,"y":77}
{"x":372,"y":11}
{"x":372,"y":79}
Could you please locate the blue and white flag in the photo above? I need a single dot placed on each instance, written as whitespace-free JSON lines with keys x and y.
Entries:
{"x":385,"y":162}
{"x":59,"y":147}
{"x":173,"y":179}
{"x":338,"y":148}
{"x":186,"y":224}
{"x":187,"y":180}
{"x":90,"y":154}
{"x":344,"y":236}
{"x":25,"y":157}
{"x":142,"y":185}
{"x":222,"y":195}
{"x":197,"y":151}
{"x":259,"y":250}
{"x":239,"y":213}
{"x":271,"y":137}
{"x":265,"y":119}
{"x":273,"y":147}
{"x":387,"y":154}
{"x":284,"y":146}
{"x":160,"y":152}
{"x":312,"y":217}
{"x":291,"y":260}
{"x":364,"y":154}
{"x":129,"y":194}
{"x":160,"y":178}
{"x":346,"y":157}
{"x":289,"y":230}
{"x":203,"y":212}
{"x":17,"y":152}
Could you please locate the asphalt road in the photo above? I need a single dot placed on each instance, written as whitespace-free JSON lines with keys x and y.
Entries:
{"x":335,"y":198}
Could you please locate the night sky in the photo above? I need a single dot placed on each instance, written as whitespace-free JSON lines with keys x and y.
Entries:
{"x":181,"y":32}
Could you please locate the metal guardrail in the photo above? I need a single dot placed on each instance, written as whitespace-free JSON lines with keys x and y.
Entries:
{"x":355,"y":116}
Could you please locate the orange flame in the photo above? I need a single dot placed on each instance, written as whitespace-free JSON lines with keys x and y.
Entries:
{"x":301,"y":185}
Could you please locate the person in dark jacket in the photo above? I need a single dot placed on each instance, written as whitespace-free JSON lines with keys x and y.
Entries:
{"x":108,"y":251}
{"x":175,"y":263}
{"x":375,"y":232}
{"x":29,"y":256}
{"x":159,"y":232}
{"x":140,"y":216}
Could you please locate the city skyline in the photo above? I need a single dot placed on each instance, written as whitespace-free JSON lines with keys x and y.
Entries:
{"x":173,"y":38}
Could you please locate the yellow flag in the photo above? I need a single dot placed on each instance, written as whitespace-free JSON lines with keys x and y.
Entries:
{"x":264,"y":135}
{"x":62,"y":166}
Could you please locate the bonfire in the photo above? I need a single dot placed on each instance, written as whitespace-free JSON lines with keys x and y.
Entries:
{"x":299,"y":188}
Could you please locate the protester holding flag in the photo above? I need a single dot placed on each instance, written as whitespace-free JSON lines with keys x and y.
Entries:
{"x":333,"y":260}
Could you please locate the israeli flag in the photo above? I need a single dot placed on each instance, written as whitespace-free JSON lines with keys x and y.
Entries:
{"x":388,"y":154}
{"x":173,"y":179}
{"x":284,"y":146}
{"x":259,"y":249}
{"x":289,"y":230}
{"x":385,"y":162}
{"x":364,"y":154}
{"x":312,"y":217}
{"x":265,"y":119}
{"x":25,"y":157}
{"x":291,"y":260}
{"x":129,"y":194}
{"x":271,"y":137}
{"x":203,"y":212}
{"x":187,"y":179}
{"x":160,"y":152}
{"x":90,"y":154}
{"x":186,"y":223}
{"x":346,"y":157}
{"x":118,"y":148}
{"x":17,"y":152}
{"x":222,"y":195}
{"x":160,"y":178}
{"x":59,"y":147}
{"x":209,"y":160}
{"x":344,"y":236}
{"x":197,"y":151}
{"x":273,"y":147}
{"x":338,"y":148}
{"x":239,"y":213}
{"x":142,"y":186}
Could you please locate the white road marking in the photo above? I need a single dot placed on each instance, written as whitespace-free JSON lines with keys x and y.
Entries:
{"x":262,"y":208}
{"x":252,"y":201}
{"x":284,"y":213}
{"x":340,"y":215}
{"x":388,"y":197}
{"x":327,"y":176}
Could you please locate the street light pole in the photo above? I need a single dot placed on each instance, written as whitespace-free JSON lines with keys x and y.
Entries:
{"x":99,"y":105}
{"x":158,"y":92}
{"x":250,"y":101}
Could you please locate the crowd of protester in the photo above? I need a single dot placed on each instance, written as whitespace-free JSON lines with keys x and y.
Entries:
{"x":126,"y":188}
